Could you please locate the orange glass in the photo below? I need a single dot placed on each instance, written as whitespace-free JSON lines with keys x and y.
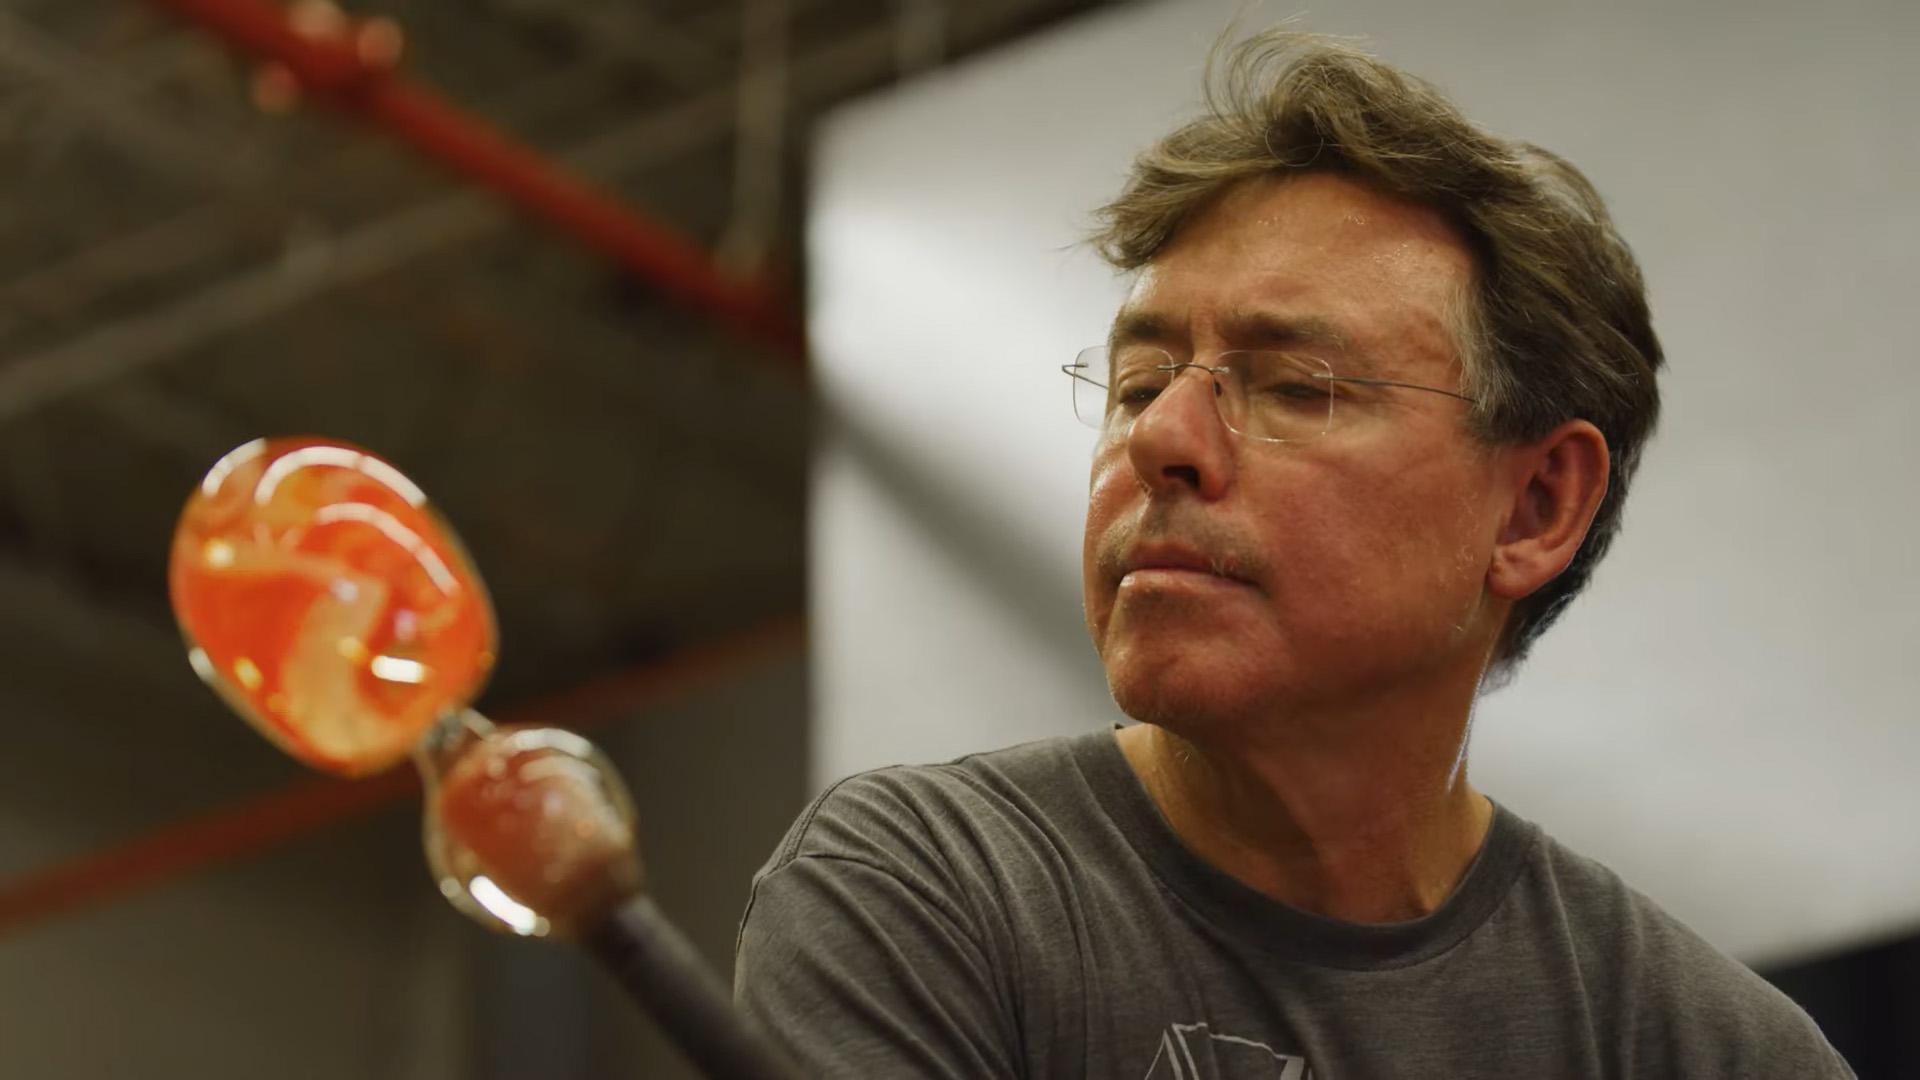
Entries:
{"x":327,"y":603}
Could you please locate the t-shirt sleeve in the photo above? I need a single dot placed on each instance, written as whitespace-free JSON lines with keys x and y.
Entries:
{"x":1721,"y":1020}
{"x":1698,"y":1012}
{"x":859,"y":956}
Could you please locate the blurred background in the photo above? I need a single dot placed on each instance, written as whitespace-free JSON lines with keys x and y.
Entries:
{"x":760,"y":442}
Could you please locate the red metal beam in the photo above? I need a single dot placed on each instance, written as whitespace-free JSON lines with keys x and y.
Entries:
{"x":259,"y":824}
{"x":330,"y":69}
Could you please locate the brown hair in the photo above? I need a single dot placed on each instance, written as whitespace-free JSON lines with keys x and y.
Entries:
{"x":1557,"y":324}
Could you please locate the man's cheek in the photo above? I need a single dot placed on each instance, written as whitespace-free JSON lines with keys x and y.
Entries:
{"x":1111,"y":473}
{"x":1096,"y":604}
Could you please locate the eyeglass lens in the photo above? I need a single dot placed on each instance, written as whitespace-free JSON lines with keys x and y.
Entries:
{"x":1281,"y":397}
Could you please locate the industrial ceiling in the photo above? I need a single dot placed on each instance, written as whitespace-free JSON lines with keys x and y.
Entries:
{"x":198,"y":248}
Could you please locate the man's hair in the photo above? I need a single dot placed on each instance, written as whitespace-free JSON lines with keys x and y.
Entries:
{"x":1556,"y":324}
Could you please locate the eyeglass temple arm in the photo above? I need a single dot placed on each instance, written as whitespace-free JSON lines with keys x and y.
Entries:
{"x":1078,"y":371}
{"x":1402,"y":385}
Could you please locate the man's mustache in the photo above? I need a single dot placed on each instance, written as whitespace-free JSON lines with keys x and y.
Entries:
{"x":1226,"y":553}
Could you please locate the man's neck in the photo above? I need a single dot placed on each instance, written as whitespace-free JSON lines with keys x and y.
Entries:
{"x":1373,"y":829}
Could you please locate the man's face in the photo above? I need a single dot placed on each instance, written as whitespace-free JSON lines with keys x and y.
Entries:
{"x":1232,"y":578}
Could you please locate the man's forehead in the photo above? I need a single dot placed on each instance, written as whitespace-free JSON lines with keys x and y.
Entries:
{"x":1316,"y":262}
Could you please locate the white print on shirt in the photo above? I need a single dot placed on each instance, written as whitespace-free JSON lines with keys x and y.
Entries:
{"x":1194,"y":1052}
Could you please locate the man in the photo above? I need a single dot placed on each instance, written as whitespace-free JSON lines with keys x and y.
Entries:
{"x":1367,"y":417}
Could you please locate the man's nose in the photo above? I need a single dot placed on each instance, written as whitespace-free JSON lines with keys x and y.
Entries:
{"x":1180,"y":443}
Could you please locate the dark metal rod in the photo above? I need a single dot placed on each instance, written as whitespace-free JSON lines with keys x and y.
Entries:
{"x":659,"y":967}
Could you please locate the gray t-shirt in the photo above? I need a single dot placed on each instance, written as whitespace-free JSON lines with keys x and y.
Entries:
{"x":1029,"y":913}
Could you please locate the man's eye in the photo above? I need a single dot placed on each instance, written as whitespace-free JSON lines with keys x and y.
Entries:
{"x":1135,"y":389}
{"x":1295,"y":390}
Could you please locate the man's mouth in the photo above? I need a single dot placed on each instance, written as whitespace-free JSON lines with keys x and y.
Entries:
{"x":1171,"y":563}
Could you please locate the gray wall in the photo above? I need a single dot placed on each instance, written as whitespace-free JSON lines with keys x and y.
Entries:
{"x":334,"y":956}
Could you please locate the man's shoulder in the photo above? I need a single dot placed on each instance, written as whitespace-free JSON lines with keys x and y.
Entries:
{"x":924,"y":811}
{"x":1688,"y":1004}
{"x":1611,"y":919}
{"x":883,"y":937}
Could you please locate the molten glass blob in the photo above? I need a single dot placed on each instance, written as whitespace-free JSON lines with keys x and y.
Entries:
{"x":528,"y":829}
{"x":323,"y":598}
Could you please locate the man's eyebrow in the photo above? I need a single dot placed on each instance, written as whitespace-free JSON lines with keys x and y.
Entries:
{"x":1268,"y":330}
{"x":1132,"y":326}
{"x":1263,"y":328}
{"x":1245,"y":329}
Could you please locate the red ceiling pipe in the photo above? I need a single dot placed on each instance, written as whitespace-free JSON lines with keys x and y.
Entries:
{"x":264,"y":822}
{"x":330,"y":68}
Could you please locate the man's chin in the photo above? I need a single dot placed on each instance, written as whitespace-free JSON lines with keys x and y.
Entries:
{"x":1211,"y":670}
{"x":1174,"y":700}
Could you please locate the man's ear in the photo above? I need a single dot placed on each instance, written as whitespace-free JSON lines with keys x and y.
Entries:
{"x":1558,"y":482}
